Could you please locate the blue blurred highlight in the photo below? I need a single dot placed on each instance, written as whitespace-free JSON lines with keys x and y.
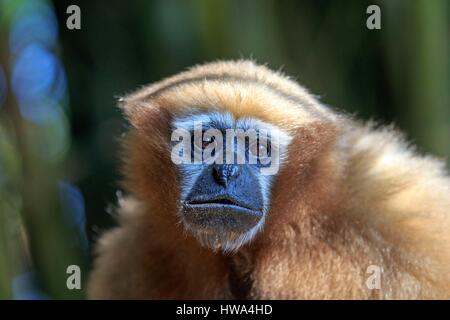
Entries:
{"x":72,"y":202}
{"x":34,"y":73}
{"x":2,"y":86}
{"x":24,"y":287}
{"x":38,"y":77}
{"x":34,"y":21}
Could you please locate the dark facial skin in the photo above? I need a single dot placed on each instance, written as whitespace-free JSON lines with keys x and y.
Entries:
{"x":225,"y":204}
{"x":226,"y":197}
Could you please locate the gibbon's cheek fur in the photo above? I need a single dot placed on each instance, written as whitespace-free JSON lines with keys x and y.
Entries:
{"x":342,"y":198}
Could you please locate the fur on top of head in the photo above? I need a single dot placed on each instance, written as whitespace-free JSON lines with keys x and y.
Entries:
{"x":241,"y":87}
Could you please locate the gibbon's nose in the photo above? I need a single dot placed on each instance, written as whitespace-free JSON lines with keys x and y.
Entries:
{"x":225,"y":173}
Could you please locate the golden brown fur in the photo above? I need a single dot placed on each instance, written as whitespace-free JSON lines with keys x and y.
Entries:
{"x":349,"y":196}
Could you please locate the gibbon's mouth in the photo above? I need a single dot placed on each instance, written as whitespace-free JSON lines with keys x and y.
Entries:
{"x":221,"y":200}
{"x":220,"y":213}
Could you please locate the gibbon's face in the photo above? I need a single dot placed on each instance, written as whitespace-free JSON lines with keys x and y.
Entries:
{"x":226,"y":168}
{"x":208,"y":148}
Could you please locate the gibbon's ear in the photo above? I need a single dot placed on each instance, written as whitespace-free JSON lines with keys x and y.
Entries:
{"x":145,"y":115}
{"x":134,"y":111}
{"x":145,"y":152}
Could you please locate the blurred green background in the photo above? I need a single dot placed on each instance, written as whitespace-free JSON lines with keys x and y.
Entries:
{"x":58,"y":90}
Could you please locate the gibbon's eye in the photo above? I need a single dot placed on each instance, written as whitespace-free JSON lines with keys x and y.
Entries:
{"x":200,"y":143}
{"x":260,"y":149}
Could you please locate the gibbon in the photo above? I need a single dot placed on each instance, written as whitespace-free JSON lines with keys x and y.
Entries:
{"x":348,"y":203}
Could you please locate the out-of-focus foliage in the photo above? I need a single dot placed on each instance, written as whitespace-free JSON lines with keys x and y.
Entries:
{"x":36,"y":234}
{"x":58,"y":87}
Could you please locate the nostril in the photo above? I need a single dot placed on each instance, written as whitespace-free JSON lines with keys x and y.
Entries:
{"x":234,"y":172}
{"x":219,"y":175}
{"x":223,"y":174}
